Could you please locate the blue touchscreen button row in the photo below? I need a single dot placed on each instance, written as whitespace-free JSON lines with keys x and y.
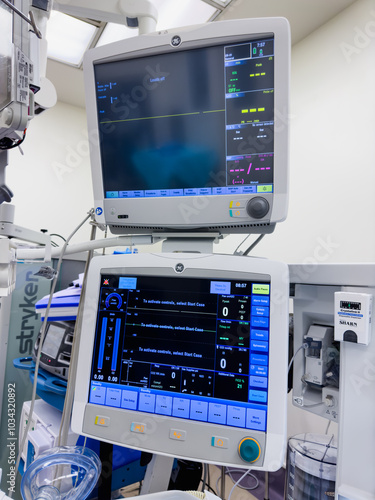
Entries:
{"x":219,"y":190}
{"x":259,"y":334}
{"x":129,"y":400}
{"x":236,"y":416}
{"x":260,"y":311}
{"x":191,"y":192}
{"x":199,"y":410}
{"x":217,"y":413}
{"x":111,"y":194}
{"x":256,"y":419}
{"x":146,"y":402}
{"x":176,"y":192}
{"x":125,"y":194}
{"x":257,"y":345}
{"x":261,"y":382}
{"x":152,"y":193}
{"x":97,"y":395}
{"x":259,"y":322}
{"x":249,"y":189}
{"x":234,"y":190}
{"x":220,"y":287}
{"x":113,"y":397}
{"x":260,"y":300}
{"x":163,"y":405}
{"x":258,"y":359}
{"x":204,"y":191}
{"x":181,"y":407}
{"x":261,"y":371}
{"x":138,"y":194}
{"x":257,"y":396}
{"x":131,"y":194}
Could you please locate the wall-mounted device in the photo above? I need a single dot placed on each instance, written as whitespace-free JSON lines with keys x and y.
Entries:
{"x":188,"y":129}
{"x":57,"y":347}
{"x":353,"y":312}
{"x":316,"y":367}
{"x":317,"y":353}
{"x":186,"y":355}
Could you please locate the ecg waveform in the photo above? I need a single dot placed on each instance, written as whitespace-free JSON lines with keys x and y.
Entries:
{"x":162,"y":116}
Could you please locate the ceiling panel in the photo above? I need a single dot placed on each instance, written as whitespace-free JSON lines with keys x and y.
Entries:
{"x":304,"y":16}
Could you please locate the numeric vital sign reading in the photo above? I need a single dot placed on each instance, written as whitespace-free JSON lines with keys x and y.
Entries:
{"x":190,"y":348}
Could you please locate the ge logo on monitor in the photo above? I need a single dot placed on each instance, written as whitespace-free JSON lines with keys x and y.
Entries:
{"x":176,"y":40}
{"x":179,"y":268}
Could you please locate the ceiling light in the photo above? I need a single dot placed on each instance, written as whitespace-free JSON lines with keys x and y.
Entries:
{"x":68,"y":38}
{"x":114,"y":32}
{"x":188,"y":12}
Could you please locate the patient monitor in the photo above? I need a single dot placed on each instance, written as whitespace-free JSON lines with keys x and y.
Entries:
{"x":188,"y":129}
{"x":185,"y":355}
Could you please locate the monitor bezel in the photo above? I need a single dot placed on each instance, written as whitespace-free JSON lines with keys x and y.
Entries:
{"x":209,"y":266}
{"x":202,"y":213}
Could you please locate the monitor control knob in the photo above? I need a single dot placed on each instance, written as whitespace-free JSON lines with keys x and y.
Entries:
{"x":257,"y":207}
{"x":249,"y":449}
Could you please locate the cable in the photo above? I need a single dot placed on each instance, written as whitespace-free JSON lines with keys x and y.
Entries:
{"x":204,"y":481}
{"x":258,"y":240}
{"x":210,"y":488}
{"x":303,"y":346}
{"x":42,"y":335}
{"x":230,"y":472}
{"x":242,"y":242}
{"x":68,"y":403}
{"x":328,"y":426}
{"x":313,"y":405}
{"x":8,"y":143}
{"x":58,"y":235}
{"x":238,"y":482}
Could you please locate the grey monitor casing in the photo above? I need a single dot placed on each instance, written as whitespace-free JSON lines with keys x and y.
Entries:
{"x":208,"y":213}
{"x":158,"y":428}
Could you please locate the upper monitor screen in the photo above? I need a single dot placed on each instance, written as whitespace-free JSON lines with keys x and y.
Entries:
{"x":188,"y":123}
{"x":190,"y":130}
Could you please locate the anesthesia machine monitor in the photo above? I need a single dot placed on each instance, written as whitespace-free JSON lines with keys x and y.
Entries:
{"x":188,"y":129}
{"x":186,"y":355}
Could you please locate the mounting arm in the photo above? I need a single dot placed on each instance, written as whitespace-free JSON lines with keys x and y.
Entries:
{"x":140,"y":14}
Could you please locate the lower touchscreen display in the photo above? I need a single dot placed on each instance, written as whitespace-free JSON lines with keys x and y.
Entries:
{"x":190,"y":348}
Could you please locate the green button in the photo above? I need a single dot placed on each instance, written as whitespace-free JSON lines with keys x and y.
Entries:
{"x":261,"y":289}
{"x":249,"y":450}
{"x":265,"y":188}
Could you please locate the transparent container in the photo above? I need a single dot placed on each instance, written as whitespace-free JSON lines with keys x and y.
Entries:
{"x":311,"y":468}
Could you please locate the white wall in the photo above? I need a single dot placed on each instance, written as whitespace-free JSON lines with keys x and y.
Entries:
{"x":52,"y":181}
